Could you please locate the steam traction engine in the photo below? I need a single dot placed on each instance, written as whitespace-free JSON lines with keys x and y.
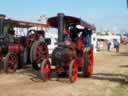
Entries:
{"x":74,"y":52}
{"x":21,"y":50}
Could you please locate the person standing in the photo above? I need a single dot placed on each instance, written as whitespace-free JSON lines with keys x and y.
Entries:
{"x":108,"y":45}
{"x":116,"y":45}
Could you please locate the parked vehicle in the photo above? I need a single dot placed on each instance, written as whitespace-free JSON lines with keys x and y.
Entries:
{"x":16,"y":51}
{"x":74,"y":52}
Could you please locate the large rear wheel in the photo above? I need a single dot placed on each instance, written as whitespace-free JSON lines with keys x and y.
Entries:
{"x":38,"y":53}
{"x":10,"y":63}
{"x":88,"y":62}
{"x":73,"y":71}
{"x":45,"y":70}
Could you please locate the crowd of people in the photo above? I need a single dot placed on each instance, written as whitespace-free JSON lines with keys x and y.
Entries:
{"x":114,"y":43}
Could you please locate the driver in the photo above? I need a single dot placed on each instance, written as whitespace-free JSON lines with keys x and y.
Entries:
{"x":74,"y":31}
{"x":87,"y":38}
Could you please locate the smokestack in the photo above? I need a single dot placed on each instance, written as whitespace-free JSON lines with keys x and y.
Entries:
{"x":2,"y":17}
{"x":60,"y":27}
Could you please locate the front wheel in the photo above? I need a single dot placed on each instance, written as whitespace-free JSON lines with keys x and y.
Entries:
{"x":10,"y":63}
{"x":45,"y":70}
{"x":88,"y":62}
{"x":73,"y":71}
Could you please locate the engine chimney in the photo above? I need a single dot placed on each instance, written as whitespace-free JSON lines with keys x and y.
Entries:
{"x":60,"y":27}
{"x":2,"y":17}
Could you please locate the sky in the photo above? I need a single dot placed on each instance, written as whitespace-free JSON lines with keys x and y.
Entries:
{"x":104,"y":14}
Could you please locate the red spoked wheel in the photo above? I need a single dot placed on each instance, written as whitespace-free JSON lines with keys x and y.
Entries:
{"x":10,"y":63}
{"x":45,"y":70}
{"x":73,"y":71}
{"x":38,"y":53}
{"x":88,"y":62}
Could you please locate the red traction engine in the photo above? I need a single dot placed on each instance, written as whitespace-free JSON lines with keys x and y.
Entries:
{"x":25,"y":51}
{"x":30,"y":49}
{"x":74,"y":52}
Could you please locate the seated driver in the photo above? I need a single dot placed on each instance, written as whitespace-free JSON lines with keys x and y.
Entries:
{"x":74,"y":31}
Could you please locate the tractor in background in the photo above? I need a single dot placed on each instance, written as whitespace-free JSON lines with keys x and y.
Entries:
{"x":17,"y":51}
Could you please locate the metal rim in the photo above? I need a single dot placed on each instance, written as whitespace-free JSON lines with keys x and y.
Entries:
{"x":45,"y":70}
{"x":31,"y":51}
{"x":73,"y":71}
{"x":88,"y":63}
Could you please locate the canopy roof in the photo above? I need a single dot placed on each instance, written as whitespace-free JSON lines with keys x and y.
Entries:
{"x":68,"y":20}
{"x":22,"y":24}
